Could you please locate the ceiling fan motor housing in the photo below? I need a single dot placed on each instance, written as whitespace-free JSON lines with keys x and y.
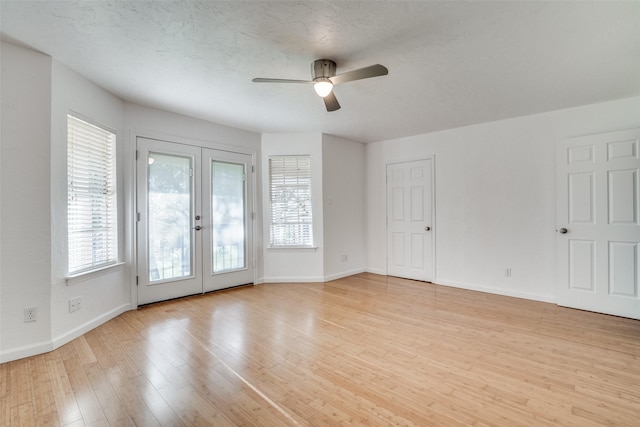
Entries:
{"x":323,"y":68}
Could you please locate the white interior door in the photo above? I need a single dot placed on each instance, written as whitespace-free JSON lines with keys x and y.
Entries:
{"x":194,"y":228}
{"x":410,"y":220}
{"x":228,"y":230}
{"x":599,"y":223}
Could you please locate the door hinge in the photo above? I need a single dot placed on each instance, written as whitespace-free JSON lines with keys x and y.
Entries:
{"x":136,"y":154}
{"x":138,"y":217}
{"x":253,"y":215}
{"x":244,"y":177}
{"x":253,"y":168}
{"x":190,"y":171}
{"x":136,"y":280}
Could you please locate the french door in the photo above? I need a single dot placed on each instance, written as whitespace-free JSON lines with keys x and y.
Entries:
{"x":194,"y":228}
{"x":598,"y":217}
{"x":410,"y":220}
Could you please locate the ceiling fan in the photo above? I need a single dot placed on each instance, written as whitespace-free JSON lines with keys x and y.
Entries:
{"x":323,"y":78}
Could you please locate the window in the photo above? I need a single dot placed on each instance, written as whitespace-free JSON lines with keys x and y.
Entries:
{"x":290,"y":199}
{"x":91,"y":193}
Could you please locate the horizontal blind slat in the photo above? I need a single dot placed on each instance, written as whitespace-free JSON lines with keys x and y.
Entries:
{"x":91,"y":210}
{"x":290,"y":200}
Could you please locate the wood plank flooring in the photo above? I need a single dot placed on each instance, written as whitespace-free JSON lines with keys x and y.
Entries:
{"x":364,"y":350}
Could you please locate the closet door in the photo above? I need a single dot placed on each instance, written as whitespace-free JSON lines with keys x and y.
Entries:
{"x":410,"y":220}
{"x":598,"y":235}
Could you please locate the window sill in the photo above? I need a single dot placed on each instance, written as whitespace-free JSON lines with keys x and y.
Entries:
{"x":86,"y":275}
{"x":296,"y":248}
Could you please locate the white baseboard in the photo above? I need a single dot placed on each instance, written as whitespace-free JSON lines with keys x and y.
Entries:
{"x":497,"y":291}
{"x":312,"y":279}
{"x":288,"y":279}
{"x":68,"y":336}
{"x":25,"y":351}
{"x":47,"y":346}
{"x":376,"y":271}
{"x":343,"y":274}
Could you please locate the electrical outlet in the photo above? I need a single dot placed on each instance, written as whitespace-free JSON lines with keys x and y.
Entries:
{"x":75,"y":304}
{"x":30,"y":314}
{"x":507,"y":272}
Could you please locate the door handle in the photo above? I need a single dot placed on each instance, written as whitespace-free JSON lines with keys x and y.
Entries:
{"x":197,"y":228}
{"x":563,"y":231}
{"x":427,"y":228}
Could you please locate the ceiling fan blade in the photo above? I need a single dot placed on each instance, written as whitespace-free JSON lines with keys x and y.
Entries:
{"x":331,"y":102}
{"x":360,"y":73}
{"x":261,"y":80}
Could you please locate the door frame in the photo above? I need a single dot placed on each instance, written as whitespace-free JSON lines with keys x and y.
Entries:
{"x":434,"y":228}
{"x":131,"y":197}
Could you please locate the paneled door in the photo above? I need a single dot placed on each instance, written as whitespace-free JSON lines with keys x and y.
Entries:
{"x":410,"y":220}
{"x":598,"y":233}
{"x":194,"y":228}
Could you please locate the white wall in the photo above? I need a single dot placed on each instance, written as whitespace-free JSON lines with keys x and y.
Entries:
{"x":338,"y":203}
{"x":294,"y":265}
{"x":153,"y":123}
{"x":343,"y":191}
{"x":25,"y":272}
{"x":37,"y":94}
{"x":107,"y":294}
{"x":495,"y":196}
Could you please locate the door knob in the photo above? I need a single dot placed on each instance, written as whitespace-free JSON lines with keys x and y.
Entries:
{"x":197,"y":228}
{"x":563,"y":231}
{"x":427,"y":228}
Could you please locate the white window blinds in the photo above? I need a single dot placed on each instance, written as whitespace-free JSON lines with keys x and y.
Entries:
{"x":91,"y":191}
{"x":290,"y":199}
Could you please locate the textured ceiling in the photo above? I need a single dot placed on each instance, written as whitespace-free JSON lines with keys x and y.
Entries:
{"x":450,"y":63}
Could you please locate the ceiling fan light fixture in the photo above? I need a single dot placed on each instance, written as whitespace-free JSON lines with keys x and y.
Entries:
{"x":322,"y":86}
{"x":324,"y":78}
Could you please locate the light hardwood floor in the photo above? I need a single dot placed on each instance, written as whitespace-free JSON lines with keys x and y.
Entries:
{"x":364,"y":350}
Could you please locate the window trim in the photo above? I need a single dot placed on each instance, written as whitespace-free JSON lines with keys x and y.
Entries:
{"x":284,"y":248}
{"x":72,"y":279}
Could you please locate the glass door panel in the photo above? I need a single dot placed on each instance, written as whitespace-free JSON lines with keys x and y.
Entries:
{"x":170,"y":216}
{"x":228,"y":216}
